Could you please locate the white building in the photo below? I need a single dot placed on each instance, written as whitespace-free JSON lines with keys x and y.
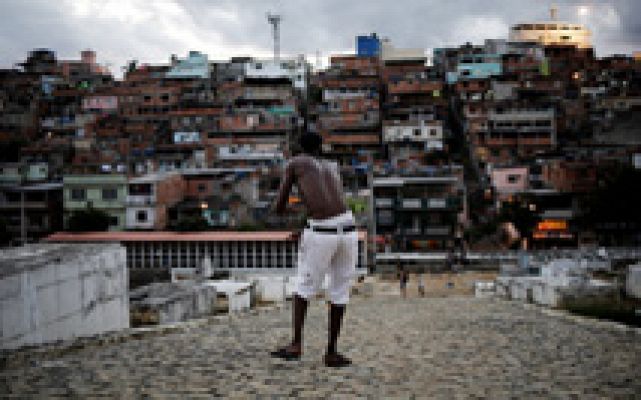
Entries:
{"x":428,"y":132}
{"x":294,"y":69}
{"x":552,"y":32}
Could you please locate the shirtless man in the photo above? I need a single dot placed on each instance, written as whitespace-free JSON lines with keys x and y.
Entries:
{"x":328,"y":245}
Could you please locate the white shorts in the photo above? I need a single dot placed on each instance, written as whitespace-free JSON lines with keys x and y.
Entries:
{"x":322,"y":253}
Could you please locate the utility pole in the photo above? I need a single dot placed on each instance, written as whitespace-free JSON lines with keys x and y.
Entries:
{"x":371,"y":212}
{"x":274,"y":20}
{"x":23,"y":224}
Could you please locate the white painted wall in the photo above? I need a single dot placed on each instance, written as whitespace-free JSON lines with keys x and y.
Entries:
{"x":57,"y":292}
{"x":132,"y":218}
{"x":419,"y":132}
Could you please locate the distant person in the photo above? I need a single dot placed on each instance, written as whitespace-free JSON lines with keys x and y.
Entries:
{"x":402,"y":279}
{"x":421,"y":285}
{"x":328,"y":245}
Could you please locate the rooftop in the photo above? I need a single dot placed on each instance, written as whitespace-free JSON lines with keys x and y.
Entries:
{"x":157,"y":236}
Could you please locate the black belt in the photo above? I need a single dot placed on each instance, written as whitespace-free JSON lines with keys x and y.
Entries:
{"x":329,"y":229}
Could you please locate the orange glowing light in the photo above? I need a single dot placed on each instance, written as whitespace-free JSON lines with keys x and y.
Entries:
{"x":552,"y":225}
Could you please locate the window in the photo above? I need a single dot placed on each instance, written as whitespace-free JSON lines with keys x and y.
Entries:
{"x":109,"y":194}
{"x":202,"y":187}
{"x":513,"y":178}
{"x":141,"y":216}
{"x":78,"y":194}
{"x":417,"y":132}
{"x":113,"y":221}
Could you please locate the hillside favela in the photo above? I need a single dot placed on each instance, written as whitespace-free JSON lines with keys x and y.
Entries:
{"x":255,"y":214}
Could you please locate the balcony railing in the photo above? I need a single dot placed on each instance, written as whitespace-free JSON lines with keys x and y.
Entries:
{"x":384,"y":202}
{"x":438,"y":231}
{"x":411,"y":203}
{"x":437,"y":203}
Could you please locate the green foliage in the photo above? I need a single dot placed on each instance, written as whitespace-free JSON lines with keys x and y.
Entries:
{"x":250,"y":227}
{"x":357,"y":205}
{"x":617,"y":200}
{"x":192,"y":223}
{"x":10,"y":150}
{"x":89,"y":220}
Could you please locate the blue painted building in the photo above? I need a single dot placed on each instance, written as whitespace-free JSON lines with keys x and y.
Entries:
{"x":368,"y":46}
{"x":476,"y":66}
{"x":196,"y":65}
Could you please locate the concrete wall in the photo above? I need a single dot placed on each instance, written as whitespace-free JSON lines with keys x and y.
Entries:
{"x":55,"y":291}
{"x":633,"y":281}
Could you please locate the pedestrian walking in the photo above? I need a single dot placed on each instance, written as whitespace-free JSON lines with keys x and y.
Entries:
{"x":421,"y":285}
{"x":403,"y":277}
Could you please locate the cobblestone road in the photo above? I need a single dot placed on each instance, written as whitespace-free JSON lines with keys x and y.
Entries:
{"x":417,"y":348}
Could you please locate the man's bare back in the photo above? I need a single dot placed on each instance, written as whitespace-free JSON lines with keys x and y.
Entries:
{"x":319,"y":185}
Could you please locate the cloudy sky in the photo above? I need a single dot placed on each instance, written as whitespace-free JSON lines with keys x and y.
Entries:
{"x":151,"y":30}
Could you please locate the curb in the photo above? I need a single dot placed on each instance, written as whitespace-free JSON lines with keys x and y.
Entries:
{"x":20,"y":356}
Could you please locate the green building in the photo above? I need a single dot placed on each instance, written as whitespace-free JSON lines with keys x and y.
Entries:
{"x":105,"y":192}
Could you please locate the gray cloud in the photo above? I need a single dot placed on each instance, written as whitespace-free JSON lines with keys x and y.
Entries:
{"x":151,"y":30}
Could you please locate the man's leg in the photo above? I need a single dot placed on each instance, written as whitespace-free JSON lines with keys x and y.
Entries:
{"x":311,"y":255}
{"x":341,"y":273}
{"x":299,"y":310}
{"x":335,"y":318}
{"x":295,"y":349}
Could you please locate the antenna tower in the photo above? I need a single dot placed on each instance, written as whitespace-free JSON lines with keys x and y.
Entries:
{"x":274,"y":20}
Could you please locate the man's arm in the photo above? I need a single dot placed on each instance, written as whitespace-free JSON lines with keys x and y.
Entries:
{"x":284,"y":189}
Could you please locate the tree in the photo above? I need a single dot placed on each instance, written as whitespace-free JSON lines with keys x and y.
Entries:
{"x":191,"y":223}
{"x":88,"y":220}
{"x":616,"y":203}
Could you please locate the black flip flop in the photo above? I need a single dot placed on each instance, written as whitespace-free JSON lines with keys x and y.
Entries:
{"x":337,"y":361}
{"x":285,"y":354}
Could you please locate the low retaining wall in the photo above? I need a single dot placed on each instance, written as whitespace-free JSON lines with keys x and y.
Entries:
{"x":51,"y":292}
{"x":167,"y":303}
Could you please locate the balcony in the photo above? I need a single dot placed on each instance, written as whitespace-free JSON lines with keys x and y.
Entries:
{"x":416,"y":86}
{"x":412,"y":231}
{"x":8,"y":205}
{"x":384,"y":202}
{"x":438,"y":231}
{"x":411,"y":204}
{"x":140,"y":200}
{"x":436,"y":203}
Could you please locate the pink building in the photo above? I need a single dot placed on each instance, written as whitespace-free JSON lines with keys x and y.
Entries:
{"x":509,"y":180}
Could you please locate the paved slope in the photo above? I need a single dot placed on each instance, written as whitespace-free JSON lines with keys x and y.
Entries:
{"x":422,"y":348}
